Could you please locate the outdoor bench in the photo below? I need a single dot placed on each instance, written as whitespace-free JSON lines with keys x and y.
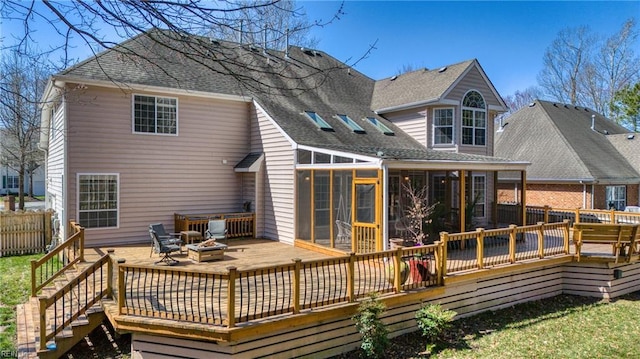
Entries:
{"x":618,"y":235}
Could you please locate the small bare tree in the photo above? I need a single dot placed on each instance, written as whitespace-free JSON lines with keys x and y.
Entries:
{"x":418,"y":211}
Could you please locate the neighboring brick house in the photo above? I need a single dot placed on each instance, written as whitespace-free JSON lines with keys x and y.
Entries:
{"x":579,"y":159}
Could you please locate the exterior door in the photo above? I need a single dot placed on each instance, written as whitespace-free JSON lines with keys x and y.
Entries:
{"x":367,"y":215}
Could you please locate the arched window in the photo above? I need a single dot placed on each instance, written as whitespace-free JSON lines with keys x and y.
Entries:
{"x":474,"y":119}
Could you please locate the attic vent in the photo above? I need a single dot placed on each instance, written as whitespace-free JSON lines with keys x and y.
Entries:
{"x":309,"y":51}
{"x":555,"y":105}
{"x":442,"y":69}
{"x":586,"y":109}
{"x":215,"y":42}
{"x":532,"y":104}
{"x":393,"y":77}
{"x":576,"y":108}
{"x":566,"y":106}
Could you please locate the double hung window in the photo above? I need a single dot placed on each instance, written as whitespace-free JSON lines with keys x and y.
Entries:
{"x":443,"y":126}
{"x":474,"y":119}
{"x":153,"y":114}
{"x":98,"y":200}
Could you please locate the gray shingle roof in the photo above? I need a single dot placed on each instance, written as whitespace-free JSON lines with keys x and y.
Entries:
{"x":284,"y":84}
{"x":558,"y":141}
{"x":417,"y":86}
{"x":628,"y":145}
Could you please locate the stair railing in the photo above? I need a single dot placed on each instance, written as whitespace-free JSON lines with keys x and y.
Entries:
{"x":60,"y":258}
{"x":60,"y":309}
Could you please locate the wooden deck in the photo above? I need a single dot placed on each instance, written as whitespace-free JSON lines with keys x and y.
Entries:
{"x":242,"y":253}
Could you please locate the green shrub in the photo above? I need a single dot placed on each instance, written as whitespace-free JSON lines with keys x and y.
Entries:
{"x":433,"y":320}
{"x":369,"y":324}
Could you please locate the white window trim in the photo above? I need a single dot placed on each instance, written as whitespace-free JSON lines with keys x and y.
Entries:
{"x":78,"y":197}
{"x":133,"y":115}
{"x":474,"y":109}
{"x":453,"y":127}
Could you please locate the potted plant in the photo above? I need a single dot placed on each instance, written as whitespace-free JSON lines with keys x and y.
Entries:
{"x":419,"y":268}
{"x":404,"y":272}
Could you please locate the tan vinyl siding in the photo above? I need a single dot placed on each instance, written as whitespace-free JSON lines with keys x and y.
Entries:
{"x":159,"y":175}
{"x":55,"y":167}
{"x":277,"y":183}
{"x":413,"y":123}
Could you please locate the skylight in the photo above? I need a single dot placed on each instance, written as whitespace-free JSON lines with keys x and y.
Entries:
{"x":380,"y":126}
{"x":318,"y":121}
{"x":351,"y":124}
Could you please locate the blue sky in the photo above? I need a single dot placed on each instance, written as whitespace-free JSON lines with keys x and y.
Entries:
{"x":509,"y":38}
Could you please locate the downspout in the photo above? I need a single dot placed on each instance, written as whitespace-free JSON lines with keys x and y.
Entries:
{"x":584,"y":195}
{"x":593,"y":188}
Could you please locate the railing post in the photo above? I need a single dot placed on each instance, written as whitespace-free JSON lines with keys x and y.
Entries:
{"x":613,"y":216}
{"x":480,"y":247}
{"x":255,"y":225}
{"x":438,"y":258}
{"x":33,"y":277}
{"x":577,"y":219}
{"x":444,"y":237}
{"x":81,"y":257}
{"x":47,"y":228}
{"x":351,"y":289}
{"x":397,"y":259}
{"x":296,"y":285}
{"x":541,"y":240}
{"x":121,"y":290}
{"x":512,"y":243}
{"x":231,"y":297}
{"x":43,"y":322}
{"x":546,"y":213}
{"x":566,"y":235}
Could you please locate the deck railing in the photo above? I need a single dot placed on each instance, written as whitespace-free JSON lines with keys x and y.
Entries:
{"x":241,"y":224}
{"x":24,"y":232}
{"x":61,"y":257}
{"x":503,"y":246}
{"x":510,"y":213}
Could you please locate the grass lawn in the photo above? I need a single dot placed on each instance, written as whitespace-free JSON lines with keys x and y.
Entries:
{"x":15,"y":276}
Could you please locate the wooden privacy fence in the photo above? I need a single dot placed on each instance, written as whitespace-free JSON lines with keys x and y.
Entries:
{"x":241,"y":224}
{"x":510,"y":213}
{"x":24,"y":232}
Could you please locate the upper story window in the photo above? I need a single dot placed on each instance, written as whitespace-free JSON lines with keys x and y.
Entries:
{"x":318,"y":121}
{"x":380,"y":126}
{"x":153,"y":114}
{"x":443,"y":126}
{"x":474,"y":119}
{"x":351,"y":124}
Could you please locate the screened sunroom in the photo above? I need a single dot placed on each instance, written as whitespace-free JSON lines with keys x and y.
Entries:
{"x":355,"y":203}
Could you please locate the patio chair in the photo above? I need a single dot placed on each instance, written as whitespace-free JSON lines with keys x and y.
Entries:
{"x":344,"y":231}
{"x":170,"y":238}
{"x":217,"y":229}
{"x":164,"y":249}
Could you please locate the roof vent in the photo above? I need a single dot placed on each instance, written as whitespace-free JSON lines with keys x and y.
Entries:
{"x":442,"y":69}
{"x":606,"y":132}
{"x":593,"y":122}
{"x":532,"y":104}
{"x":576,"y":108}
{"x":631,"y":136}
{"x":555,"y":104}
{"x":566,"y":106}
{"x":393,"y":77}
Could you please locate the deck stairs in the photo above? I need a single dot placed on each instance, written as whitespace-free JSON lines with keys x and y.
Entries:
{"x":82,"y":322}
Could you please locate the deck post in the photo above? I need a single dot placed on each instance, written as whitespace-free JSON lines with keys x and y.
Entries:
{"x":33,"y":277}
{"x":43,"y":323}
{"x":613,"y":215}
{"x":110,"y":251}
{"x":480,"y":247}
{"x":81,"y":256}
{"x":296,"y":285}
{"x":121,"y":290}
{"x":512,"y":243}
{"x":546,"y":213}
{"x":541,"y":240}
{"x":577,"y":219}
{"x":351,"y":278}
{"x":397,"y":260}
{"x":566,"y":235}
{"x":444,"y":236}
{"x":231,"y":295}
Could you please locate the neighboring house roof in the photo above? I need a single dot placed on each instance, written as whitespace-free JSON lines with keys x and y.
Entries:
{"x":284,"y":84}
{"x":628,"y":145}
{"x":561,"y":145}
{"x":423,"y":87}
